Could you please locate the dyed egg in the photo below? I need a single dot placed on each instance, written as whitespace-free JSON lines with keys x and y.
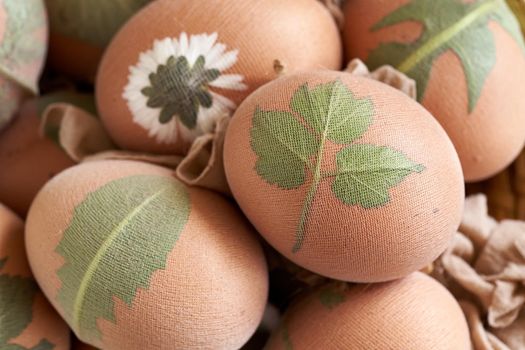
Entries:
{"x":518,"y":7}
{"x":133,"y":259}
{"x":27,"y":321}
{"x":23,"y":43}
{"x":81,"y":29}
{"x":345,"y":176}
{"x":413,"y":313}
{"x":468,"y":60}
{"x":179,"y":65}
{"x":28,"y":159}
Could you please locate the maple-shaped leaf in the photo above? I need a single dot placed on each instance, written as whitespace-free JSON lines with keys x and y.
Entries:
{"x":16,"y":306}
{"x":289,"y":144}
{"x":118,"y":237}
{"x":448,"y":25}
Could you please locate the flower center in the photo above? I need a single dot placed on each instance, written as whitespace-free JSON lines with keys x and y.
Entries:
{"x":180,"y":90}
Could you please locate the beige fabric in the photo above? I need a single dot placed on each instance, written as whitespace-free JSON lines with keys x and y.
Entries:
{"x":203,"y":166}
{"x":485,"y":269}
{"x":84,"y":139}
{"x":385,"y":74}
{"x":79,"y":133}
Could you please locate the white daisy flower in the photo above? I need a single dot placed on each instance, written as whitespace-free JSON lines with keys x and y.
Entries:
{"x":170,"y":91}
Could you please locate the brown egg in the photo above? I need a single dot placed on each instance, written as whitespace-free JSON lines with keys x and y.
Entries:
{"x":27,"y":321}
{"x":134,"y":259}
{"x":27,"y":159}
{"x":179,"y":65}
{"x":345,"y":176}
{"x":81,"y":29}
{"x":414,"y":313}
{"x":468,"y":59}
{"x":23,"y":45}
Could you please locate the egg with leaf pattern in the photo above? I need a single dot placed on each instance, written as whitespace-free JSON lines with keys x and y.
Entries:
{"x":412,"y":313}
{"x":345,"y":176}
{"x":23,"y":46}
{"x":468,"y":59}
{"x":133,"y":259}
{"x":80,"y":30}
{"x":27,"y":321}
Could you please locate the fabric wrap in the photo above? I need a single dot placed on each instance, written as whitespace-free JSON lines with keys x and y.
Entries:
{"x":485,"y":270}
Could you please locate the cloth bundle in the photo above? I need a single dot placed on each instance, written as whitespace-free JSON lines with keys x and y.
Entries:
{"x":485,"y":270}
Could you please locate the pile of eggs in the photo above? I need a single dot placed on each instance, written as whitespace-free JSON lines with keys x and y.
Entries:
{"x":344,"y":176}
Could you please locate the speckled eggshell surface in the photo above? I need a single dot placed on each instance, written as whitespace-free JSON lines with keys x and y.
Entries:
{"x":206,"y":56}
{"x":468,"y":58}
{"x":27,"y":320}
{"x":134,"y":259}
{"x":414,"y":313}
{"x":344,"y":176}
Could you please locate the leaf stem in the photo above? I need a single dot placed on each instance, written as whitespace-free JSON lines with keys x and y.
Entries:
{"x":301,"y":228}
{"x":437,"y":41}
{"x":93,"y":266}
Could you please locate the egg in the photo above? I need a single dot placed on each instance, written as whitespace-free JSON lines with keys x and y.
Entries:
{"x":133,"y":259}
{"x":468,"y":59}
{"x":81,"y":29}
{"x":518,"y":8}
{"x":345,"y":176}
{"x":23,"y":43}
{"x":28,"y":159}
{"x":409,"y":314}
{"x":178,"y":66}
{"x":27,"y":321}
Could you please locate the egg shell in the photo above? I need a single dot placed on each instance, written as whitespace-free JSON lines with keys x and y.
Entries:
{"x":81,"y":29}
{"x":518,"y":8}
{"x":487,"y":137}
{"x":410,"y":314}
{"x":11,"y":95}
{"x":270,"y":37}
{"x":207,"y":290}
{"x":28,"y":159}
{"x":23,"y":43}
{"x":27,"y":319}
{"x":357,"y":228}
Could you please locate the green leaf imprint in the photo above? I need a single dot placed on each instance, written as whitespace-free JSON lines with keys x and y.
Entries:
{"x":448,"y":25}
{"x":331,"y":297}
{"x":289,"y":145}
{"x":94,"y":21}
{"x":180,"y":90}
{"x":17,"y":295}
{"x":366,"y":172}
{"x":118,"y":237}
{"x":16,"y":305}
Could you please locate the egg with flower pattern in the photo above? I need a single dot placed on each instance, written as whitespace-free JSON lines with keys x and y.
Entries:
{"x":194,"y":61}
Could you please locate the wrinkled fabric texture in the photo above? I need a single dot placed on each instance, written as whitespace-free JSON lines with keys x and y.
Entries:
{"x":485,"y":270}
{"x":386,"y":74}
{"x":84,"y":139}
